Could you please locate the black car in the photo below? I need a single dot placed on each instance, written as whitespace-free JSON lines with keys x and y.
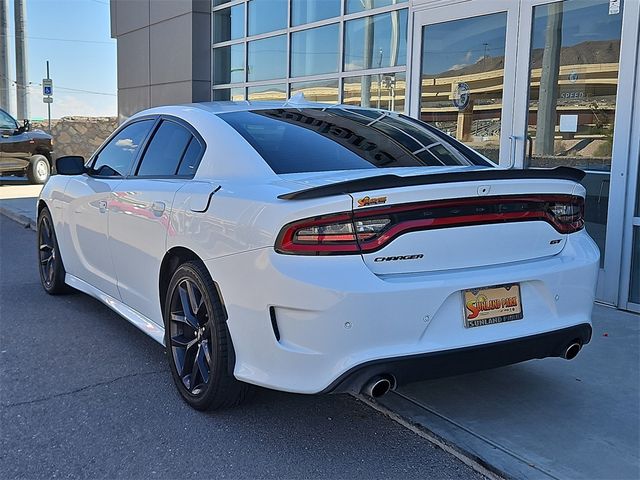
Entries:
{"x":24,"y":151}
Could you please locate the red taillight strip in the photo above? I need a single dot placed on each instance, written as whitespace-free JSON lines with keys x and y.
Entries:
{"x":285,"y":242}
{"x":437,"y":223}
{"x":539,"y":212}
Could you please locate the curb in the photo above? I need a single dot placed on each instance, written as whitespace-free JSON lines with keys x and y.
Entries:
{"x":23,"y":220}
{"x":468,"y":458}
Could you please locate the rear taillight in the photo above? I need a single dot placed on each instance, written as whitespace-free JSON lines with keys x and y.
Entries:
{"x":568,"y":215}
{"x":370,"y":229}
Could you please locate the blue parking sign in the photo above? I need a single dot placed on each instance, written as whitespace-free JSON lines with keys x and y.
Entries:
{"x":47,"y":87}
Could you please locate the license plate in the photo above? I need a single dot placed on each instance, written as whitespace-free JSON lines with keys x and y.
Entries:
{"x":489,"y":305}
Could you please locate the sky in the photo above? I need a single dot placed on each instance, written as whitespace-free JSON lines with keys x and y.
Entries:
{"x":74,"y":35}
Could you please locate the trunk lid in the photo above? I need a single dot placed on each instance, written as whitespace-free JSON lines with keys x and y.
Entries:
{"x":468,"y":224}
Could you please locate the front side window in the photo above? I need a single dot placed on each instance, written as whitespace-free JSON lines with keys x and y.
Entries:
{"x":344,"y":139}
{"x":7,"y":122}
{"x":116,"y":158}
{"x":165,"y":150}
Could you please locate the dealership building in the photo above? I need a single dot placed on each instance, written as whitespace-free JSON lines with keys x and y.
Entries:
{"x":528,"y":83}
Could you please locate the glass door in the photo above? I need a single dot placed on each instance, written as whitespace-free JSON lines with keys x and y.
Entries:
{"x":461,"y":77}
{"x":572,"y":109}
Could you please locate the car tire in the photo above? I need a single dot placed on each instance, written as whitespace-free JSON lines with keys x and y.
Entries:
{"x":39,"y":169}
{"x":198,"y":342}
{"x":50,"y":264}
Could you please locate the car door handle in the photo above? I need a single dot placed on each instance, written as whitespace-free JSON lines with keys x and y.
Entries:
{"x":102,"y":206}
{"x":158,"y":208}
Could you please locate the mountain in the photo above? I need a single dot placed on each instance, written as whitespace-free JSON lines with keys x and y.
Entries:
{"x":589,"y":52}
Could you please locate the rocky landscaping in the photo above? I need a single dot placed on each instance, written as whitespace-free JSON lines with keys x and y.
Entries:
{"x":78,"y":135}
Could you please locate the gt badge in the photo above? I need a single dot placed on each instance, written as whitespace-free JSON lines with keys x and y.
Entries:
{"x":366,"y":201}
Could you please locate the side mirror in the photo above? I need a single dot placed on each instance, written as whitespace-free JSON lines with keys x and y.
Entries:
{"x":26,"y":126}
{"x":70,"y":165}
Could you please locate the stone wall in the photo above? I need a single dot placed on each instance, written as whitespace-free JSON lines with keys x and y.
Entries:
{"x":78,"y":135}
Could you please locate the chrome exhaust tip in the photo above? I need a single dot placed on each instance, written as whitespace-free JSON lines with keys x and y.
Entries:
{"x":377,"y":387}
{"x":572,"y":351}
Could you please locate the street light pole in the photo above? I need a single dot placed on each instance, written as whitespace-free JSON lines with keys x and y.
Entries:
{"x":4,"y":55}
{"x":20,"y":18}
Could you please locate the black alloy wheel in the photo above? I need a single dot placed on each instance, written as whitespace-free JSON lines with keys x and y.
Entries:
{"x":190,"y":336}
{"x":198,"y":341}
{"x":50,"y":264}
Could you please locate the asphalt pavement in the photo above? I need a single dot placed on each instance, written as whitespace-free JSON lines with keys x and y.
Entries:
{"x":83,"y":394}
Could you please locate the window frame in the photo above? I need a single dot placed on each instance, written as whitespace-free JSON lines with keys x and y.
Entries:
{"x":184,"y":124}
{"x":89,"y":164}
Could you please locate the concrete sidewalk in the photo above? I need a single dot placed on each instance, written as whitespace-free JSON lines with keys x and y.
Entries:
{"x":540,"y":419}
{"x":18,"y":201}
{"x":544,"y":418}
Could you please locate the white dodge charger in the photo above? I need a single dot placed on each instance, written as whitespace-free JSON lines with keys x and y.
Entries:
{"x":311,"y":249}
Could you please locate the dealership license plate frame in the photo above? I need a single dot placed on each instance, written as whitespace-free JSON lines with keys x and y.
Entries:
{"x":503,"y":314}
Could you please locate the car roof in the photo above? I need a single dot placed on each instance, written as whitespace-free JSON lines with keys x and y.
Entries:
{"x":221,"y":107}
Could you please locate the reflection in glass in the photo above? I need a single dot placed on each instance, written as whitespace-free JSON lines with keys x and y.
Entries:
{"x":385,"y":91}
{"x":322,"y":91}
{"x":315,"y":51}
{"x":295,"y":140}
{"x":305,"y":11}
{"x":228,"y":24}
{"x":267,"y":59}
{"x":453,"y":96}
{"x":573,"y":81}
{"x":268,"y":92}
{"x":353,"y":6}
{"x":228,"y":64}
{"x":226,"y":94}
{"x":634,"y":287}
{"x":267,"y":16}
{"x":377,"y":41}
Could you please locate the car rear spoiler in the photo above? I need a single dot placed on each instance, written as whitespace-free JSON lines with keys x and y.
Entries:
{"x":393,"y":181}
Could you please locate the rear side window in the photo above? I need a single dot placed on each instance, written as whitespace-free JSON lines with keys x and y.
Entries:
{"x":325,"y":139}
{"x":191,"y":158}
{"x":165,"y":151}
{"x":116,"y":158}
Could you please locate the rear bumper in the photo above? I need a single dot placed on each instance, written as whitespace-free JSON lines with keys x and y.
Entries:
{"x":335,"y":317}
{"x":457,"y":361}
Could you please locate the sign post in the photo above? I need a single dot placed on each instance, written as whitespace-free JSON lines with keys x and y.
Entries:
{"x":47,"y":94}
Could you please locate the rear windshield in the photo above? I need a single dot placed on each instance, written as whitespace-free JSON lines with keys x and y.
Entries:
{"x":324,"y":139}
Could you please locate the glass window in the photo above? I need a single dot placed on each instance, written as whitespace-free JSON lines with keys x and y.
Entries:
{"x":376,"y":42}
{"x":353,"y":6}
{"x":228,"y":24}
{"x":268,"y":92}
{"x":6,"y":121}
{"x":321,"y":91}
{"x":385,"y":91}
{"x":634,"y":287}
{"x":573,"y":82}
{"x":116,"y":158}
{"x":268,"y":58}
{"x":165,"y":150}
{"x":315,"y":51}
{"x":462,"y":79}
{"x":307,"y":11}
{"x":267,"y":16}
{"x":220,"y":2}
{"x":228,"y":64}
{"x":331,"y":139}
{"x":228,"y":94}
{"x":191,"y":158}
